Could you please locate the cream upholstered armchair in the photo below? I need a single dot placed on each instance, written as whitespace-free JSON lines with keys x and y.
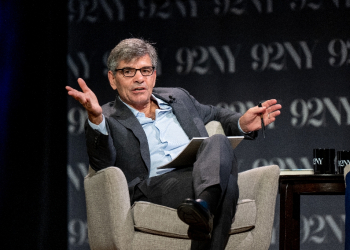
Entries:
{"x":114,"y":224}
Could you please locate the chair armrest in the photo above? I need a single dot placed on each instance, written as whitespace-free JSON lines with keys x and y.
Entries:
{"x":252,"y":181}
{"x":214,"y":127}
{"x":261,"y":184}
{"x":108,"y":209}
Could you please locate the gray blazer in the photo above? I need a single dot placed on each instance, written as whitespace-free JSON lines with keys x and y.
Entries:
{"x":126,"y":144}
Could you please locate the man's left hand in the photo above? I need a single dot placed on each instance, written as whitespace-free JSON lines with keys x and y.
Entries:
{"x":251,"y":120}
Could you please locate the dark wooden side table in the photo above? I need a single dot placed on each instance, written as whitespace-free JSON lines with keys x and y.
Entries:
{"x":290,"y":188}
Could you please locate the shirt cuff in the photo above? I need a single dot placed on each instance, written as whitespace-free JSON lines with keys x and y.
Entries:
{"x":100,"y":127}
{"x":239,"y":126}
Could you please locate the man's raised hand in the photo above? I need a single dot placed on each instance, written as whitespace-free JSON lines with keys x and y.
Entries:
{"x":251,"y":120}
{"x":88,"y":99}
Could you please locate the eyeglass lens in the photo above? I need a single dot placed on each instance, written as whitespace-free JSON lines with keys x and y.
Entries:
{"x":145,"y":71}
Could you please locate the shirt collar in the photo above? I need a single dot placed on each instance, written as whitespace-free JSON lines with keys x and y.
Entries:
{"x":162,"y":105}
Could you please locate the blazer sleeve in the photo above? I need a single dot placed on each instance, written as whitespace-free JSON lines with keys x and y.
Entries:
{"x":208,"y":113}
{"x":227,"y":118}
{"x":100,"y":148}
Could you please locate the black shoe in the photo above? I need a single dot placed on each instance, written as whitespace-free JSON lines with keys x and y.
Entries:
{"x":196,"y":235}
{"x":196,"y":214}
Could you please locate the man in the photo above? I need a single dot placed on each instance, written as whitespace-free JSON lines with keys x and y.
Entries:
{"x":146,"y":127}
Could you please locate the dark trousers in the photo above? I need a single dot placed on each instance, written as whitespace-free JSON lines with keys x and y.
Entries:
{"x":215,"y":165}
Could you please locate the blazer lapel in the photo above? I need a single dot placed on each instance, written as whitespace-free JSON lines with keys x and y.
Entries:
{"x":182,"y":115}
{"x":124,"y":115}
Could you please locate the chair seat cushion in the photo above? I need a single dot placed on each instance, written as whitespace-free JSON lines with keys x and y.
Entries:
{"x":161,"y":220}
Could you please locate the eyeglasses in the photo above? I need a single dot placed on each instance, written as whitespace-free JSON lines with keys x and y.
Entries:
{"x":130,"y":72}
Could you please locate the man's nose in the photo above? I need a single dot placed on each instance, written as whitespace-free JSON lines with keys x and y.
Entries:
{"x":138,"y":74}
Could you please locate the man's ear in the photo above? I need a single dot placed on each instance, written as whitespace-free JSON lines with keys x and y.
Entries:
{"x":112,"y":80}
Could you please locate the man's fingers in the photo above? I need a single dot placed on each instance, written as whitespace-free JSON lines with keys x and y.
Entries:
{"x":77,"y":95}
{"x":88,"y":100}
{"x":73,"y":92}
{"x":274,"y":108}
{"x":258,"y":110}
{"x":69,"y":88}
{"x":271,"y":115}
{"x":83,"y":85}
{"x":274,"y":114}
{"x":269,"y":103}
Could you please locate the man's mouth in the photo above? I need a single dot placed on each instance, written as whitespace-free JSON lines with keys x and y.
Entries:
{"x":138,"y":89}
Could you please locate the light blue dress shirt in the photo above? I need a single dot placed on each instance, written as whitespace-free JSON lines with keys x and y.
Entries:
{"x":166,"y":138}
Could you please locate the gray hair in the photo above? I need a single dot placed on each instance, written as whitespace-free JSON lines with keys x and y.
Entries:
{"x":130,"y":49}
